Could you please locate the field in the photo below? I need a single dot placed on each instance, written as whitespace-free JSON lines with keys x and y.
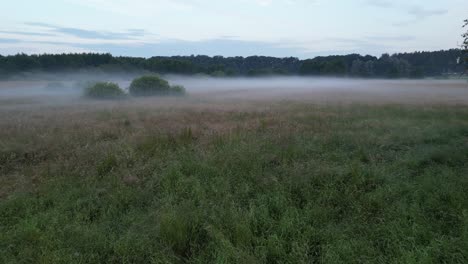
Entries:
{"x":357,"y":175}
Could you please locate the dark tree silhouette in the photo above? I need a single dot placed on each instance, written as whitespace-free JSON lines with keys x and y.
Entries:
{"x":465,"y":46}
{"x":400,"y":65}
{"x":465,"y":36}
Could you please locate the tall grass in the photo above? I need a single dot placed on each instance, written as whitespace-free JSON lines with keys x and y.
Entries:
{"x":291,"y":183}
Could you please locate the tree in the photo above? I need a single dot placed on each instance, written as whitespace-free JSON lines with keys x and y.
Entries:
{"x":413,"y":64}
{"x":465,"y":36}
{"x":465,"y":46}
{"x":154,"y":85}
{"x":149,"y":85}
{"x":104,"y":90}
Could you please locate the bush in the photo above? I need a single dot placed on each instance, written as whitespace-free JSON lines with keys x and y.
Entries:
{"x":104,"y":90}
{"x":153,"y":85}
{"x":149,"y":85}
{"x":177,"y":89}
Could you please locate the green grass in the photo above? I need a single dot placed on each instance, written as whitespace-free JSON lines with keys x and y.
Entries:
{"x":287,"y":183}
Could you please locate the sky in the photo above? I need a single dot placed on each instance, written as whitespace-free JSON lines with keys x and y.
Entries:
{"x":281,"y":28}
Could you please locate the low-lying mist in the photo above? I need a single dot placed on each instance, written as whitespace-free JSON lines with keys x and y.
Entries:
{"x":70,"y":87}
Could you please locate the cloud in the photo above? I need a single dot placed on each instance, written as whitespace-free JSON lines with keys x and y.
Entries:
{"x":211,"y":47}
{"x":380,"y":3}
{"x":264,"y":2}
{"x":144,"y":8}
{"x":218,"y":46}
{"x":416,"y":12}
{"x":33,"y":48}
{"x":421,"y":12}
{"x":92,"y":34}
{"x":24,"y":33}
{"x":392,"y":38}
{"x":89,"y":34}
{"x":225,"y":46}
{"x":7,"y":40}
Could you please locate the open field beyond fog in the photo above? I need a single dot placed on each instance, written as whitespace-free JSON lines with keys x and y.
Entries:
{"x":338,"y":171}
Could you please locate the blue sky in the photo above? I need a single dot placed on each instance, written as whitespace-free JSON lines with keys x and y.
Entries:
{"x":300,"y":28}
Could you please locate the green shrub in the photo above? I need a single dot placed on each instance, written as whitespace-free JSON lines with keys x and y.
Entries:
{"x":177,"y":89}
{"x":104,"y":90}
{"x":153,"y":85}
{"x":149,"y":85}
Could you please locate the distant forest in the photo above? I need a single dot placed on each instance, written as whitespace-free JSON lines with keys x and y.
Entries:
{"x":400,"y":65}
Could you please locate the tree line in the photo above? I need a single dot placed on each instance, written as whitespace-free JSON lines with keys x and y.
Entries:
{"x":400,"y":65}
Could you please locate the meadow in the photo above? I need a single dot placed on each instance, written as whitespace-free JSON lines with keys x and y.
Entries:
{"x":235,"y":180}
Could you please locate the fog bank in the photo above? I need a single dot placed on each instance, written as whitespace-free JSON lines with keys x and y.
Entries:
{"x":273,"y":88}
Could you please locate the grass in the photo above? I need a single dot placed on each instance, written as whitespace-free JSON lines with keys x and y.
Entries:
{"x":285,"y":182}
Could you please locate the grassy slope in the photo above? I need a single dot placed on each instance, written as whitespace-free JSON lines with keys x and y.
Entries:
{"x":291,"y":183}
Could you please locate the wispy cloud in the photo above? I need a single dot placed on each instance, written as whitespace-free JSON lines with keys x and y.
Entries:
{"x":415,"y":12}
{"x":392,"y":38}
{"x":212,"y":47}
{"x":89,"y":34}
{"x":421,"y":12}
{"x":6,"y":40}
{"x":232,"y":27}
{"x":380,"y":3}
{"x":229,"y":46}
{"x":143,"y":8}
{"x":24,"y":33}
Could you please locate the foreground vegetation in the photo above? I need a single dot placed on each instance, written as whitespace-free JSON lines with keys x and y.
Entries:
{"x":127,"y":182}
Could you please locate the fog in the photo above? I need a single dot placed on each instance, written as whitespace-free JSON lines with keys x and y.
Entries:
{"x":55,"y":88}
{"x":331,"y":89}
